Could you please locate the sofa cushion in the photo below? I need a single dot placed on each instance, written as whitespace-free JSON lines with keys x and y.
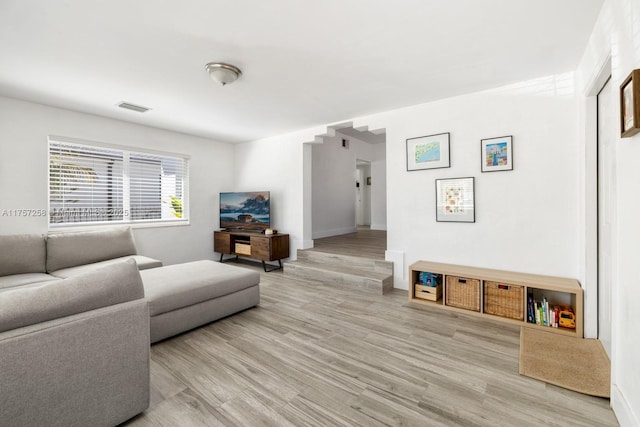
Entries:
{"x":103,"y":287}
{"x":142,"y":262}
{"x":22,"y":253}
{"x":70,"y":249}
{"x":176,"y":286}
{"x":24,"y":279}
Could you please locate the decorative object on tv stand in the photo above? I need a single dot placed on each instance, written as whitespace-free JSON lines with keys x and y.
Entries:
{"x":223,"y":73}
{"x":428,"y":152}
{"x":455,"y":200}
{"x":497,"y":154}
{"x":630,"y":105}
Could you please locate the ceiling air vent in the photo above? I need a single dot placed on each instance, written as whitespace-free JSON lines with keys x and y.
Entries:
{"x":133,"y":107}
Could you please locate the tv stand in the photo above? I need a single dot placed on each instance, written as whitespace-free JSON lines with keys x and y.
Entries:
{"x":254,"y":245}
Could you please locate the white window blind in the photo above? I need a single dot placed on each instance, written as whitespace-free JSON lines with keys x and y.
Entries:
{"x":94,"y":184}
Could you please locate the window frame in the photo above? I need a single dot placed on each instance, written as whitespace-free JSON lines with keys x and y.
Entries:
{"x":128,"y":152}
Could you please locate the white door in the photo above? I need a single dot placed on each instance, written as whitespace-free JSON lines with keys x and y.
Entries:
{"x":607,"y":129}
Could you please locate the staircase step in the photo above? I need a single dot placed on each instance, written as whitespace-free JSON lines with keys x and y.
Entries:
{"x":377,"y":265}
{"x":340,"y":275}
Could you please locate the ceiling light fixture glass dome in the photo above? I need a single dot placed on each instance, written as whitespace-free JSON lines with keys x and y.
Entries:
{"x":223,"y":73}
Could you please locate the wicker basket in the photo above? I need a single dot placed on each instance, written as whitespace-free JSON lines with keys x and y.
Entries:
{"x":243,"y":248}
{"x":504,"y":300}
{"x":462,"y":293}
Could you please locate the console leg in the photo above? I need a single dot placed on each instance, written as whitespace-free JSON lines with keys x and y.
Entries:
{"x":264,"y":265}
{"x":228,"y":259}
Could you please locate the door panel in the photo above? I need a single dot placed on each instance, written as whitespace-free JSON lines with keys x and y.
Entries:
{"x":606,"y":210}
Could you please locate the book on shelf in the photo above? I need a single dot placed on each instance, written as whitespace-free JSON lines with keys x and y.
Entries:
{"x":544,"y":313}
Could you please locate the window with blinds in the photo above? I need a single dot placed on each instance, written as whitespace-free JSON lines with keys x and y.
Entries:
{"x":95,"y":184}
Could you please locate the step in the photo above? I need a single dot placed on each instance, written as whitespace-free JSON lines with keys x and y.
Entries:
{"x":341,"y":276}
{"x":377,"y":265}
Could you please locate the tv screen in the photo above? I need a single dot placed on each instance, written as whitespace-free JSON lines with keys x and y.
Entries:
{"x":248,"y":211}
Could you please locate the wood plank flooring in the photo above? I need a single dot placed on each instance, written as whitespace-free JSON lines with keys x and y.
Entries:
{"x":364,"y":242}
{"x":311,"y":355}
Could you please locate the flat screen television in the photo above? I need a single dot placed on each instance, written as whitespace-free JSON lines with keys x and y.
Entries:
{"x":248,"y":211}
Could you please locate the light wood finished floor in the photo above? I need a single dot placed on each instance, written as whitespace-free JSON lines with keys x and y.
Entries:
{"x":311,"y":355}
{"x":364,"y":242}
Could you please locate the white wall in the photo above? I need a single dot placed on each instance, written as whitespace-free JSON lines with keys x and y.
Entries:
{"x":276,"y":165}
{"x":377,"y":191}
{"x":525,"y":218}
{"x":333,"y":183}
{"x":24,"y":127}
{"x":379,"y":195}
{"x":615,"y":35}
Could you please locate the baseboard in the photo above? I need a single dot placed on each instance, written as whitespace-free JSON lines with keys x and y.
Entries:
{"x":335,"y":232}
{"x":379,"y":227}
{"x":622,"y":410}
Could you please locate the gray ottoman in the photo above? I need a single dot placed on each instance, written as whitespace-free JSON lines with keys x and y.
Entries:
{"x":185,"y":296}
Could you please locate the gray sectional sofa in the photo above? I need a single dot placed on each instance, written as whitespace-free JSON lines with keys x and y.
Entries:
{"x":78,"y":312}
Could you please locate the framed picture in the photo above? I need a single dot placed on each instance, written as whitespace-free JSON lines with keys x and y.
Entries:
{"x":630,"y":105}
{"x":368,"y":180}
{"x":497,"y":154}
{"x":455,"y":200}
{"x":428,"y":152}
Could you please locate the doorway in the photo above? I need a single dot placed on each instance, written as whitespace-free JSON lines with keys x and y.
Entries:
{"x":345,"y":183}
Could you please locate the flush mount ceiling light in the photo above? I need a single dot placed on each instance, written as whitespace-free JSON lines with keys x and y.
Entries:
{"x":223,"y":73}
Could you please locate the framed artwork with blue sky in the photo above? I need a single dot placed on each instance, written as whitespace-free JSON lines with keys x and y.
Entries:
{"x":497,"y":154}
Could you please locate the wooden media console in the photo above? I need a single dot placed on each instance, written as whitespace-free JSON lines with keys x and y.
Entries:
{"x":263,"y":247}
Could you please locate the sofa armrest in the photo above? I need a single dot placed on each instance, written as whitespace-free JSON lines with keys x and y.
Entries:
{"x":103,"y":287}
{"x":90,"y":368}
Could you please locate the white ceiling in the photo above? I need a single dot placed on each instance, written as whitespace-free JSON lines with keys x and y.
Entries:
{"x":304,"y":63}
